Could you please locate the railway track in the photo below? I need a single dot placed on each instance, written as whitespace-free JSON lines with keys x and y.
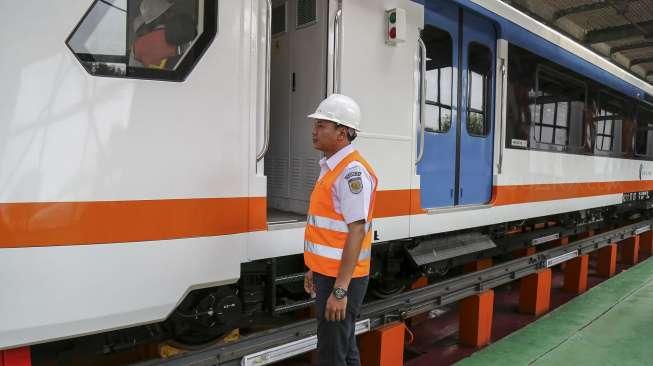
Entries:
{"x":267,"y":347}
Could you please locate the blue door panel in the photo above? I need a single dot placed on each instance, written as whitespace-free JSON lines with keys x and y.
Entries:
{"x":476,"y":152}
{"x":438,"y":166}
{"x":439,"y":169}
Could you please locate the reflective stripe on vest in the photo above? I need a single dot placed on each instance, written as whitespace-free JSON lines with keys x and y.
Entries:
{"x":331,"y":224}
{"x":326,"y":230}
{"x":333,"y":253}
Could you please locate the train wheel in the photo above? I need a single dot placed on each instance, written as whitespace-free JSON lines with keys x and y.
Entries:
{"x":206,"y":315}
{"x":385,"y":288}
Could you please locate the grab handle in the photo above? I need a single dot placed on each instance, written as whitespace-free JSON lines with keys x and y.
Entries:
{"x":422,"y":100}
{"x":268,"y":32}
{"x":337,"y":41}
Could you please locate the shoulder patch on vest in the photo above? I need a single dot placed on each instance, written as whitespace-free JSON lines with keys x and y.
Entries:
{"x":355,"y":184}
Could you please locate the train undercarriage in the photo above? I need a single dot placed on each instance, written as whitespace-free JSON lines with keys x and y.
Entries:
{"x":270,"y":292}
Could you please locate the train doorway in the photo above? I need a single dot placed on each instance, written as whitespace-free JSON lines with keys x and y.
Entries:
{"x":456,"y":168}
{"x":297,"y":85}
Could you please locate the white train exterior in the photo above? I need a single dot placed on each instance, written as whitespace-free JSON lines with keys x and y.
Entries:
{"x":120,"y":195}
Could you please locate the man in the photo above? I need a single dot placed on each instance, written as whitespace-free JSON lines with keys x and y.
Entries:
{"x":161,"y":32}
{"x":338,"y":237}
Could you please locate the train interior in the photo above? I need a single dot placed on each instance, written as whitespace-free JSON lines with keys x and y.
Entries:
{"x":297,"y":85}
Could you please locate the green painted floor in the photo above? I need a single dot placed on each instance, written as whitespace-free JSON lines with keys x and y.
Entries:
{"x":612,"y":324}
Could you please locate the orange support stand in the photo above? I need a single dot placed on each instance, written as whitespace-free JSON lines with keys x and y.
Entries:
{"x":478,"y":265}
{"x":383,"y":346}
{"x":576,"y":274}
{"x":630,"y":250}
{"x":646,"y":243}
{"x":475,"y":319}
{"x":524,"y":252}
{"x":419,"y":283}
{"x":607,"y":261}
{"x":562,"y":241}
{"x":16,"y":357}
{"x":535,"y":293}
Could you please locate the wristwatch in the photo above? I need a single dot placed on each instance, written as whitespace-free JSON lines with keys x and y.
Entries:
{"x":339,"y":293}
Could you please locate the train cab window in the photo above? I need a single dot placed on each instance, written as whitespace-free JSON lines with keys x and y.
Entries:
{"x":479,"y":78}
{"x":439,"y":79}
{"x":644,"y":137}
{"x":557,"y":109}
{"x":144,"y":39}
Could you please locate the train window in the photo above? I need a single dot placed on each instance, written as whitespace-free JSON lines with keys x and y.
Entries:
{"x":439,"y":79}
{"x":605,"y":123}
{"x":644,"y":137}
{"x":479,"y":77}
{"x":279,"y":19}
{"x":521,"y":88}
{"x":145,"y":39}
{"x":613,"y":125}
{"x":306,"y":13}
{"x":557,"y":109}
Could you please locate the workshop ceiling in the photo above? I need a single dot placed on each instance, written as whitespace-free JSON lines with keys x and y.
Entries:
{"x":620,"y":30}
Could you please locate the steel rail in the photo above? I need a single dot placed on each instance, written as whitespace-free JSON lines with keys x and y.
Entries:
{"x":408,"y":304}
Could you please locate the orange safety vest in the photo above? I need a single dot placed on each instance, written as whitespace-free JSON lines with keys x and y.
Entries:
{"x":326,"y":230}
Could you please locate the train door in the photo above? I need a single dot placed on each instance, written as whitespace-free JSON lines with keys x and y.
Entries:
{"x":297,"y":85}
{"x":456,"y":164}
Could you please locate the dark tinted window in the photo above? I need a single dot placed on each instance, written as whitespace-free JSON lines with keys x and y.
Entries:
{"x":644,"y":137}
{"x":306,"y":12}
{"x":479,"y":83}
{"x":152,"y":39}
{"x":439,"y":79}
{"x":550,"y":107}
{"x":521,"y":87}
{"x":279,"y":19}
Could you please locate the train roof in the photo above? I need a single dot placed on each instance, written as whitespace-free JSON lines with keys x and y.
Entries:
{"x":522,"y":29}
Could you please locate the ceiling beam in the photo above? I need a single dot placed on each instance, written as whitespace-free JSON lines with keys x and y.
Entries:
{"x":630,"y":47}
{"x":618,"y":32}
{"x":581,"y":9}
{"x":639,"y":61}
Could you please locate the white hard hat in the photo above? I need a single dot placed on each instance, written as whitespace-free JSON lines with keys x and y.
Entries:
{"x":152,"y":9}
{"x":340,"y":109}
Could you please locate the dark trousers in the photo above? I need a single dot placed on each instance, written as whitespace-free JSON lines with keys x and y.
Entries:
{"x":336,"y":342}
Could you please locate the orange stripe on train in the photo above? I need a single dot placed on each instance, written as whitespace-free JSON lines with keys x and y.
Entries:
{"x":78,"y":223}
{"x":75,"y":223}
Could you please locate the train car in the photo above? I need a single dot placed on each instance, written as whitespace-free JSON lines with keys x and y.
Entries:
{"x":156,"y":159}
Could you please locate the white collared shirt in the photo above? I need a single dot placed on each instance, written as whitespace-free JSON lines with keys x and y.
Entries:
{"x":353,"y":204}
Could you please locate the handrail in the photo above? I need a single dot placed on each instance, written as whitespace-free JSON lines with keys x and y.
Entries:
{"x":268,"y":40}
{"x":502,"y":120}
{"x":422,"y":100}
{"x":337,"y":41}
